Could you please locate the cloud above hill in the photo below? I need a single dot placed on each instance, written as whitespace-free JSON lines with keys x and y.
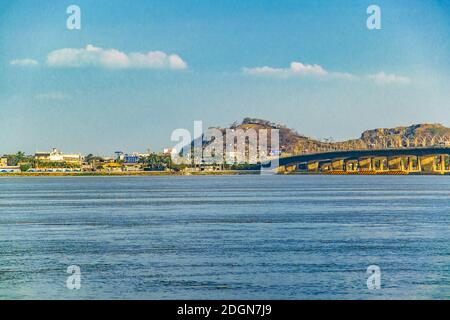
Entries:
{"x":295,"y":69}
{"x":299,"y":69}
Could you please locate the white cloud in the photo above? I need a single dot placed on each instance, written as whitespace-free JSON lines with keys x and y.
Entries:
{"x":296,"y":69}
{"x":24,"y":63}
{"x":114,"y":59}
{"x":382,"y":78}
{"x":52,"y":96}
{"x":300,"y":69}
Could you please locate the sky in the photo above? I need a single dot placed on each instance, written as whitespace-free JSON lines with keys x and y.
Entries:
{"x":137,"y":70}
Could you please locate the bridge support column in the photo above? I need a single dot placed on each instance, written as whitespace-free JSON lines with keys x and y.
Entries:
{"x":313,"y":166}
{"x":428,"y":163}
{"x":365,"y":164}
{"x":290,"y":168}
{"x":409,"y":164}
{"x":326,"y":166}
{"x":396,"y":164}
{"x":381,"y":167}
{"x":442,"y":163}
{"x":281,"y":169}
{"x":351,"y":165}
{"x":378,"y":164}
{"x":337,"y":165}
{"x":413,"y":164}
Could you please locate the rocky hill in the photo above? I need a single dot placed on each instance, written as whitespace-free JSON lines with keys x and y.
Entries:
{"x":291,"y":142}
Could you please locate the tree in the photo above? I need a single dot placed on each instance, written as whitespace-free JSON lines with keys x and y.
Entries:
{"x":157,"y":161}
{"x":25,"y":167}
{"x":90,"y":158}
{"x":15,"y":159}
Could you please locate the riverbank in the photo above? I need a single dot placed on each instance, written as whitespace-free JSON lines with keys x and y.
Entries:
{"x":139,"y":173}
{"x":205,"y":173}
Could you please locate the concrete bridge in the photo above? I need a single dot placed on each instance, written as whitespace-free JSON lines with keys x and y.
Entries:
{"x":432,"y":160}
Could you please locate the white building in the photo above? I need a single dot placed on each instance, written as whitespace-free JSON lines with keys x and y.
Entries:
{"x":57,"y":156}
{"x":169,"y":151}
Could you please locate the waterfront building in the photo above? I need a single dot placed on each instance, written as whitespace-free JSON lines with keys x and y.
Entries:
{"x":57,"y":156}
{"x":112,"y":167}
{"x":131,"y":158}
{"x":3,"y":162}
{"x":132,"y":167}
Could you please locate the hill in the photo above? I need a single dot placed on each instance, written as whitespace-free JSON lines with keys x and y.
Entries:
{"x":291,"y":142}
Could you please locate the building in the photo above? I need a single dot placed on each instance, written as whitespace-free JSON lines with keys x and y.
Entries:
{"x":131,"y":158}
{"x":4,"y":168}
{"x":10,"y":169}
{"x":169,"y":151}
{"x":57,"y":156}
{"x":3,"y":162}
{"x":112,"y":167}
{"x":132,"y":167}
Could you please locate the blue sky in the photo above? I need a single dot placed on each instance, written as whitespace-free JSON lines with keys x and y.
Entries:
{"x":218,"y":61}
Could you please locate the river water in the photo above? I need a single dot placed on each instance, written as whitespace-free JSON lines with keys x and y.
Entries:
{"x":225,"y":237}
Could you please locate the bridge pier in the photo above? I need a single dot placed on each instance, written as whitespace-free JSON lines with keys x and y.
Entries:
{"x":313,"y":166}
{"x":326,"y":166}
{"x":442,"y":163}
{"x":291,"y":168}
{"x":409,"y":164}
{"x":428,"y":164}
{"x":378,"y":164}
{"x":286,"y":169}
{"x":413,"y":164}
{"x":337,"y":165}
{"x":419,"y":165}
{"x":365,"y":164}
{"x":351,"y":166}
{"x":396,"y":163}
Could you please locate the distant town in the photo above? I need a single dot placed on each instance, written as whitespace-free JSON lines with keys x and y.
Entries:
{"x":56,"y":161}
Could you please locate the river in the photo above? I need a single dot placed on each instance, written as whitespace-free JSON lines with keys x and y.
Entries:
{"x":225,"y":237}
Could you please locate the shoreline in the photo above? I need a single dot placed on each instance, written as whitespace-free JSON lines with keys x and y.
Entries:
{"x":128,"y":174}
{"x":206,"y":173}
